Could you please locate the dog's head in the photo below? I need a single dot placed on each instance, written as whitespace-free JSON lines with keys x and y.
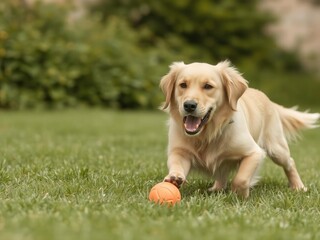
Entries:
{"x":197,"y":90}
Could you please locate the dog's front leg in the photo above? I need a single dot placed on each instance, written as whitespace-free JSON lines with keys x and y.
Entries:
{"x":246,"y":172}
{"x":179,"y":164}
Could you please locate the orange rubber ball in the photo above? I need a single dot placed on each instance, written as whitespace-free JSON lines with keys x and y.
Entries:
{"x":165,"y":193}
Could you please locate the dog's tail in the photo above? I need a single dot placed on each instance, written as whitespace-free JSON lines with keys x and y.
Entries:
{"x":293,"y":121}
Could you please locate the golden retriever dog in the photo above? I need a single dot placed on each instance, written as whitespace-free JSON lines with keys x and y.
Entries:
{"x":218,"y":124}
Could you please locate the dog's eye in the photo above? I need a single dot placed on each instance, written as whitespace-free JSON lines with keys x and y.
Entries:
{"x":183,"y":85}
{"x":207,"y":86}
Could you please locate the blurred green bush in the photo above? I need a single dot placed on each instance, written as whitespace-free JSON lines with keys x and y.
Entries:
{"x":116,"y":55}
{"x":215,"y":29}
{"x":46,"y":62}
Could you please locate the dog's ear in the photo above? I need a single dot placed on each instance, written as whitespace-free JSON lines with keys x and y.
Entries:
{"x":168,"y":81}
{"x":233,"y":82}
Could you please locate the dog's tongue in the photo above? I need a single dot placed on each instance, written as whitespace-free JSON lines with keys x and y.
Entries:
{"x":192,"y":123}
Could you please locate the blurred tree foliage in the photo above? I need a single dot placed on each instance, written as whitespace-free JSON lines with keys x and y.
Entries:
{"x":116,"y":55}
{"x":214,"y":29}
{"x":47,"y":62}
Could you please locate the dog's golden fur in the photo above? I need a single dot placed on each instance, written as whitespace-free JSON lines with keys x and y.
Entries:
{"x":219,"y":124}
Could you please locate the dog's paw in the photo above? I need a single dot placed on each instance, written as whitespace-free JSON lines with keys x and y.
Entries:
{"x":175,"y":178}
{"x":241,"y":188}
{"x":299,"y":187}
{"x":218,"y":186}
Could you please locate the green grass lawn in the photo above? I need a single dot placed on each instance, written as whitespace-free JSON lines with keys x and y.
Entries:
{"x":87,"y":174}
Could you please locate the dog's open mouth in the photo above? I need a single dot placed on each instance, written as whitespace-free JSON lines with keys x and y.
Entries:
{"x":193,"y":125}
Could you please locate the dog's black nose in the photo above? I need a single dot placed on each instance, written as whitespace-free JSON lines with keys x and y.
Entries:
{"x":190,"y":106}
